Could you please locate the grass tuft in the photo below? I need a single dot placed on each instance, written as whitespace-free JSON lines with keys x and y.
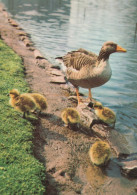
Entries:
{"x":20,"y":172}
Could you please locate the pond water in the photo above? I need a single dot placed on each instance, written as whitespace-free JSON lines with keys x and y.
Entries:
{"x":59,"y":26}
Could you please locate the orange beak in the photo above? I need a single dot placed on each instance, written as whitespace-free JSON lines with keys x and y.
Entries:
{"x":120,"y":49}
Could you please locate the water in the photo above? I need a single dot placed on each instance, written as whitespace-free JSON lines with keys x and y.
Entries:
{"x":59,"y":26}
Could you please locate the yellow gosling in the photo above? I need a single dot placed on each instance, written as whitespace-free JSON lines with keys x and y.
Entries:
{"x":21,"y":102}
{"x":99,"y":153}
{"x":104,"y":113}
{"x":40,"y":100}
{"x":70,"y":116}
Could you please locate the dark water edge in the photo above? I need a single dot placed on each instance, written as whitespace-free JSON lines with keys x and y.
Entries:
{"x":58,"y":26}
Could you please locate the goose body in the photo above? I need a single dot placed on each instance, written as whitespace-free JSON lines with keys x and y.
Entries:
{"x":90,"y":76}
{"x":87,"y":70}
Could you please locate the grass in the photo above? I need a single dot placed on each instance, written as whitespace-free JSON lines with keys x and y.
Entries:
{"x":20,"y":172}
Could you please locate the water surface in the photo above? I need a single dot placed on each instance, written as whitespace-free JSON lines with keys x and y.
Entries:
{"x":59,"y":26}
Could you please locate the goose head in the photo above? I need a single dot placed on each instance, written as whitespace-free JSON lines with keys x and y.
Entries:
{"x":108,"y":48}
{"x":14,"y":93}
{"x":97,"y":106}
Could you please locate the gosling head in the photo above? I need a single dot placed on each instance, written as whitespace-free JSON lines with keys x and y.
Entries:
{"x":97,"y":106}
{"x":14,"y":93}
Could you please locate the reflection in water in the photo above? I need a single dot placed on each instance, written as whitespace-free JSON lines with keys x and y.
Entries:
{"x":58,"y":26}
{"x":96,"y":177}
{"x":109,"y":180}
{"x":135,"y":33}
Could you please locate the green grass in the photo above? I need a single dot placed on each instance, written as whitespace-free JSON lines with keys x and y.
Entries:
{"x":20,"y":172}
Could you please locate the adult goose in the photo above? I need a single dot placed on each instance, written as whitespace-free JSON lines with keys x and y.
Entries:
{"x":87,"y":70}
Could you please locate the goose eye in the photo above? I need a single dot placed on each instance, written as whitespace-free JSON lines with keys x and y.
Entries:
{"x":111,"y":45}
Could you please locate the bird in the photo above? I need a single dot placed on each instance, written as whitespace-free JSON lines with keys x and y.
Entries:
{"x":86,"y":69}
{"x":21,"y":102}
{"x":70,"y":116}
{"x":105,"y":114}
{"x":99,"y":153}
{"x":40,"y":101}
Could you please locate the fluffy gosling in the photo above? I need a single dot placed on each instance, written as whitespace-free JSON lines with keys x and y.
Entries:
{"x":105,"y":114}
{"x":99,"y":153}
{"x":21,"y":102}
{"x":70,"y":116}
{"x":40,"y":101}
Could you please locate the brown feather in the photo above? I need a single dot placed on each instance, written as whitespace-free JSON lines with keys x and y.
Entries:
{"x":78,"y":59}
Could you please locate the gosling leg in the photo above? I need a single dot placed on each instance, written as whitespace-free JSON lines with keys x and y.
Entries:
{"x":24,"y":116}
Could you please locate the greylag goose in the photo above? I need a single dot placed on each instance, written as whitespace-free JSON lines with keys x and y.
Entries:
{"x":87,"y":70}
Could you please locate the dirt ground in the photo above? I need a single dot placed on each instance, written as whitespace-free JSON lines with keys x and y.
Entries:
{"x":63,"y":151}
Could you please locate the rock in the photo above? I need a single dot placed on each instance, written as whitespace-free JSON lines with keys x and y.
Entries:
{"x":56,"y":67}
{"x":31,"y":48}
{"x":22,"y":38}
{"x":5,"y":13}
{"x":116,"y":140}
{"x":21,"y":33}
{"x":27,"y":42}
{"x":86,"y":115}
{"x":12,"y":22}
{"x":38,"y":55}
{"x":58,"y":80}
{"x":18,"y":28}
{"x":57,"y":73}
{"x":129,"y":168}
{"x":41,"y":62}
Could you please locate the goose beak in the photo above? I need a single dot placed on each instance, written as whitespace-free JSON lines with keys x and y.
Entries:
{"x":120,"y":49}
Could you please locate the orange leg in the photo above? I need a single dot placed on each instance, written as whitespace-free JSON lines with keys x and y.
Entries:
{"x":89,"y":95}
{"x":77,"y":92}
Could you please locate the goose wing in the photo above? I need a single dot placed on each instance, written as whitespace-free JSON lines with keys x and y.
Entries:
{"x":80,"y":58}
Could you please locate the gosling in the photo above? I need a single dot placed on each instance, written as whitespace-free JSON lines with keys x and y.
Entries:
{"x":105,"y":114}
{"x":99,"y":153}
{"x":70,"y":116}
{"x":40,"y":101}
{"x":21,"y":102}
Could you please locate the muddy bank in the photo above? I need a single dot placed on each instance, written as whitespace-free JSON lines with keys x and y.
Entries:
{"x":63,"y":151}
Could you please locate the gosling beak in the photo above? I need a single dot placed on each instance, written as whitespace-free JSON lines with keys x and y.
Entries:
{"x":120,"y":49}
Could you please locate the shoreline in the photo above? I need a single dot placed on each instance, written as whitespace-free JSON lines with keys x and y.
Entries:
{"x":64,"y":152}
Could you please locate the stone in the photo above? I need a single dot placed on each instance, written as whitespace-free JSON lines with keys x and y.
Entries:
{"x":57,"y":73}
{"x":27,"y":43}
{"x":58,"y":80}
{"x":116,"y":140}
{"x":12,"y":22}
{"x":129,"y":168}
{"x":21,"y":33}
{"x":38,"y":55}
{"x":56,"y":67}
